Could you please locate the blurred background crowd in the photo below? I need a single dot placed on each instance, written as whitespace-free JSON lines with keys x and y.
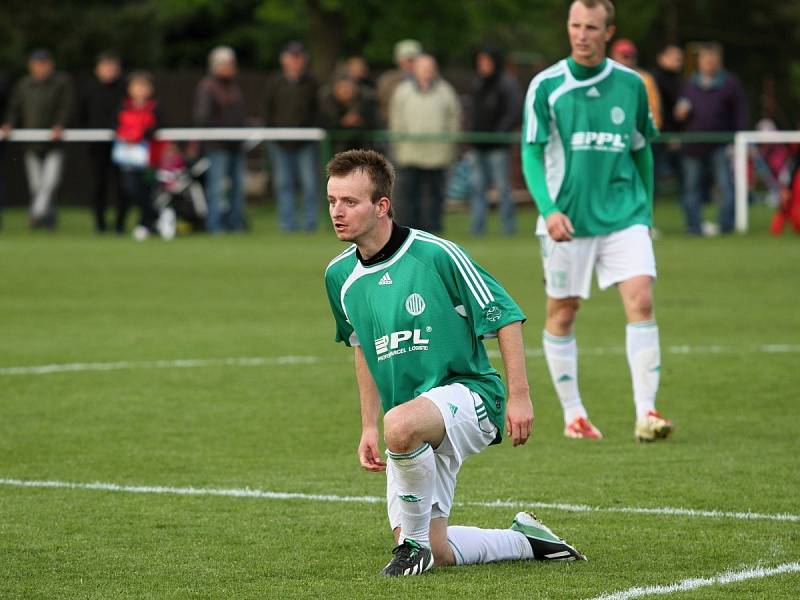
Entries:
{"x":411,"y":110}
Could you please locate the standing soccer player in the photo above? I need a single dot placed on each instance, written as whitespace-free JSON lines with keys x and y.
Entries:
{"x":588,"y":164}
{"x":415,"y":308}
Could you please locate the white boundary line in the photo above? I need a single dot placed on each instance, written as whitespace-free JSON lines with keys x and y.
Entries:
{"x":186,"y":363}
{"x":269,"y":495}
{"x":260,"y":361}
{"x":692,"y":584}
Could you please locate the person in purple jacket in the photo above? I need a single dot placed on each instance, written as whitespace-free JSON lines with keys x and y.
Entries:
{"x":712,"y":100}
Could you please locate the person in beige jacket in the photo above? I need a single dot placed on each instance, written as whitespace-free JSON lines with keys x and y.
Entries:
{"x":425,"y":105}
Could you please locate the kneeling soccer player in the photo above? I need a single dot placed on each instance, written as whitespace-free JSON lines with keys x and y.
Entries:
{"x":415,"y":308}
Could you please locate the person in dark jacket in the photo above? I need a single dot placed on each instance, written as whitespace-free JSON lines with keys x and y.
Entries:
{"x":712,"y":100}
{"x":100,"y":103}
{"x":133,"y":151}
{"x":668,"y":74}
{"x":347,"y":105}
{"x":291,"y":100}
{"x":495,"y":102}
{"x":4,"y":89}
{"x":219,"y":103}
{"x":42,"y":100}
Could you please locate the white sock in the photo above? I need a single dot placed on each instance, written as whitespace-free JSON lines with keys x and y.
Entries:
{"x":414,"y":473}
{"x":561,"y":353}
{"x":474,"y":545}
{"x":644,"y":360}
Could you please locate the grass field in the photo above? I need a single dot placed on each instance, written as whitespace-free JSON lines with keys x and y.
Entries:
{"x":270,"y":406}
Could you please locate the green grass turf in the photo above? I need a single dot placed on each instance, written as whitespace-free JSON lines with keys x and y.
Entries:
{"x":72,"y":296}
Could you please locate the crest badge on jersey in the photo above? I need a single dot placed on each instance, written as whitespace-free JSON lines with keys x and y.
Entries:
{"x":415,"y":305}
{"x":617,"y":115}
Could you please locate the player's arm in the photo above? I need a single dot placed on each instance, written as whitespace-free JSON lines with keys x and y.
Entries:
{"x":643,"y":160}
{"x":558,"y":224}
{"x":519,"y":408}
{"x":369,"y":453}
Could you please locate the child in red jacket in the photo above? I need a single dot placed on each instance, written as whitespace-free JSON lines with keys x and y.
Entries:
{"x":137,"y":120}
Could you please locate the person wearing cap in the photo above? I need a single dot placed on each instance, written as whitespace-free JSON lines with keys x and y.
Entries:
{"x":291,"y":100}
{"x":625,"y":53}
{"x":43,"y":99}
{"x":219,"y":102}
{"x":427,"y":105}
{"x":405,"y":53}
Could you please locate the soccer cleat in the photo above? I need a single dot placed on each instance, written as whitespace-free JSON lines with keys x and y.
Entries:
{"x":653,"y":427}
{"x":544,"y":543}
{"x":581,"y":428}
{"x":409,"y":559}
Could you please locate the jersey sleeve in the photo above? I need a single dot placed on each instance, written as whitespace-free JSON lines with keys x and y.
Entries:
{"x":482,"y":300}
{"x":646,"y":128}
{"x":344,"y":330}
{"x":536,"y":114}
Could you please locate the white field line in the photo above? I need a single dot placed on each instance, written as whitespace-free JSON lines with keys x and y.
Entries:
{"x":188,"y":363}
{"x":269,"y":495}
{"x":261,"y":361}
{"x":692,"y":584}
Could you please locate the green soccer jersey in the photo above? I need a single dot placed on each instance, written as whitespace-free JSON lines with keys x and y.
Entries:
{"x":420,"y":316}
{"x":590,"y":120}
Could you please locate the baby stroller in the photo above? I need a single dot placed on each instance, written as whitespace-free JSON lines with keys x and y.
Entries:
{"x":181,"y":200}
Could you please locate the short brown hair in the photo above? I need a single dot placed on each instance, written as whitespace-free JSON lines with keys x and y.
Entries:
{"x":606,"y":4}
{"x":379,"y":170}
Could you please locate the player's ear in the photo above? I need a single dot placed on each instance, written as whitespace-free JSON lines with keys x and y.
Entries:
{"x":383,"y":206}
{"x":610,"y":31}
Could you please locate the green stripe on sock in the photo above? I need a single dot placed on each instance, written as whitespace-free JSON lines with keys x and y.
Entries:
{"x":409,"y":455}
{"x":643,"y":324}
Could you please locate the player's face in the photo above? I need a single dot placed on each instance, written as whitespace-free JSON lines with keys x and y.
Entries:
{"x":588,"y":34}
{"x":353,"y":214}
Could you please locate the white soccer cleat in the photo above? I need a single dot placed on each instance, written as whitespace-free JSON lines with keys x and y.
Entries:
{"x":545,"y":544}
{"x":653,"y":427}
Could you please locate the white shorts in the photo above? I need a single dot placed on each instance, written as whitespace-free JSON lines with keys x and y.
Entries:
{"x":617,"y":257}
{"x":465,"y":434}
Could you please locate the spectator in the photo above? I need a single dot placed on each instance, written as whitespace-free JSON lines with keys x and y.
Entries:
{"x":669,"y":80}
{"x":219,"y":103}
{"x":624,"y":52}
{"x":356,"y":68}
{"x":405,"y":52}
{"x":668,"y":74}
{"x":291,"y":100}
{"x":100,"y":103}
{"x":425,"y":105}
{"x":495,"y":108}
{"x":3,"y":105}
{"x":712,"y":100}
{"x":42,"y":100}
{"x":348,"y":106}
{"x":137,"y":120}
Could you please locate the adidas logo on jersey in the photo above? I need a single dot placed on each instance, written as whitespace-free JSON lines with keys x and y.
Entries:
{"x":385,"y":280}
{"x":593,"y":92}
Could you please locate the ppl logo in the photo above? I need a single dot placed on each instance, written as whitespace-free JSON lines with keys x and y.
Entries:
{"x":401,"y":342}
{"x":598,"y":140}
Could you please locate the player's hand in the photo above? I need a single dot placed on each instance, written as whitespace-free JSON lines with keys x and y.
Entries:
{"x":519,"y":419}
{"x":57,"y":133}
{"x":369,"y":454}
{"x":559,"y":227}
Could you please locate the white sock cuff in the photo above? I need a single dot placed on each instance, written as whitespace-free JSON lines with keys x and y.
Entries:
{"x":417,"y":455}
{"x":642,"y":326}
{"x":558,"y":339}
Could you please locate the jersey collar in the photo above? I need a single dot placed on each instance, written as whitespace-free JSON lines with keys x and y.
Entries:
{"x":396,"y":239}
